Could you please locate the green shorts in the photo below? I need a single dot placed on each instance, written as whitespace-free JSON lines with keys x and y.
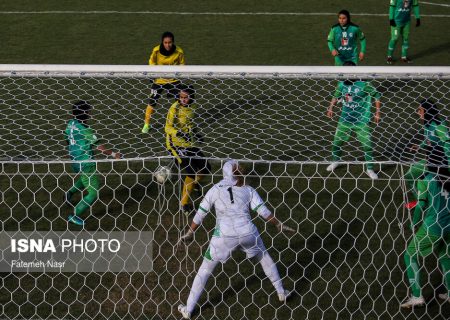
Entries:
{"x":340,"y":60}
{"x":424,"y":243}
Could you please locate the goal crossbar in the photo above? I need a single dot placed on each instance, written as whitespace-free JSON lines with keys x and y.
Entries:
{"x":194,"y":71}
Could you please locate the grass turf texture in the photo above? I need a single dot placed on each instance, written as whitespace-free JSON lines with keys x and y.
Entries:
{"x":206,"y":39}
{"x":346,"y":250}
{"x":345,"y":260}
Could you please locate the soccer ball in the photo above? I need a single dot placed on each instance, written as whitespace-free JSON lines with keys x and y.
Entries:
{"x":162,"y":174}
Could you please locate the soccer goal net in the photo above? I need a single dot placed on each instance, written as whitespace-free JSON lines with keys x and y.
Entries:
{"x":345,"y":258}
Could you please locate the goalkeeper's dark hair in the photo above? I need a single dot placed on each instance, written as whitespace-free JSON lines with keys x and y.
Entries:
{"x":167,"y":34}
{"x":80,"y":110}
{"x":437,"y":163}
{"x":189,"y":89}
{"x":432,"y":112}
{"x":345,"y":13}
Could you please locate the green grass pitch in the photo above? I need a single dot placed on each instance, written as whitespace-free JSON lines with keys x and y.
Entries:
{"x":344,"y":262}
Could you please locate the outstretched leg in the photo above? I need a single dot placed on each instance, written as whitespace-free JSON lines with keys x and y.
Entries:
{"x":405,"y":40}
{"x":364,"y":137}
{"x":78,"y":186}
{"x":444,"y":261}
{"x":413,"y":175}
{"x":155,"y":93}
{"x":422,"y":244}
{"x":342,"y":135}
{"x":188,"y":187}
{"x":395,"y":34}
{"x":412,"y":271}
{"x":271,"y":271}
{"x":91,"y":184}
{"x":203,"y":274}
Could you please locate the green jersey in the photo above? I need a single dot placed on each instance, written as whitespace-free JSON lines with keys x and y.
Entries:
{"x":81,"y":140}
{"x":400,"y":11}
{"x":434,"y":200}
{"x":345,"y":40}
{"x":437,"y":134}
{"x":356,"y":101}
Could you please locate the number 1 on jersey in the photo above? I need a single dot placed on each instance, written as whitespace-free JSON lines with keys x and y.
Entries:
{"x":231,"y":194}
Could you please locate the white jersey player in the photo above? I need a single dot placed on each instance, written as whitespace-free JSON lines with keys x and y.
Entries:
{"x":233,"y":201}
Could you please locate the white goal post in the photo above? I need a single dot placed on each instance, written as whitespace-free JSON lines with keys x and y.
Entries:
{"x":229,"y":71}
{"x":345,"y":258}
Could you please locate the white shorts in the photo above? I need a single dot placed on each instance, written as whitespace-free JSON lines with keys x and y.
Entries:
{"x":220,"y":248}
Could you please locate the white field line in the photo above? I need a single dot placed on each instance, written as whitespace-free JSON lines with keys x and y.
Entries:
{"x":435,"y":4}
{"x":211,"y":13}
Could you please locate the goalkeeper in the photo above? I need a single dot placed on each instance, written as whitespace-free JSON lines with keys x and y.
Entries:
{"x":436,"y":132}
{"x":356,"y":97}
{"x":400,"y":21}
{"x":233,"y":201}
{"x":343,"y":40}
{"x":166,"y":53}
{"x":182,"y":138}
{"x":433,"y":233}
{"x":81,"y":142}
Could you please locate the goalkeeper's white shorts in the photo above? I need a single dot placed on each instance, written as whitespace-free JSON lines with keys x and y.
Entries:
{"x":220,"y":248}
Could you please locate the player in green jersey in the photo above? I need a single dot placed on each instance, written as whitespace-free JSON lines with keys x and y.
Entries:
{"x":343,"y":40}
{"x":356,"y":97}
{"x":435,"y":131}
{"x":433,"y":234}
{"x":400,"y":21}
{"x":81,"y":142}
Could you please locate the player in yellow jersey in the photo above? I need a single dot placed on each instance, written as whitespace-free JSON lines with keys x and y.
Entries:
{"x":182,"y":139}
{"x":167,"y":54}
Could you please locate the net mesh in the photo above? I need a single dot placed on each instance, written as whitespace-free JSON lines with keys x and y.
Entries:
{"x":345,"y":259}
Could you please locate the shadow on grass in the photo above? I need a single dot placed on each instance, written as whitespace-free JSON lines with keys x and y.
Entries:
{"x":442,"y":47}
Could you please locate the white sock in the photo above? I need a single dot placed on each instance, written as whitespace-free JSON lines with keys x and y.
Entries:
{"x":205,"y":271}
{"x":271,"y":271}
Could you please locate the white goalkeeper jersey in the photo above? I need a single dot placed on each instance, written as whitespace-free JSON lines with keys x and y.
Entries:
{"x":233,"y":206}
